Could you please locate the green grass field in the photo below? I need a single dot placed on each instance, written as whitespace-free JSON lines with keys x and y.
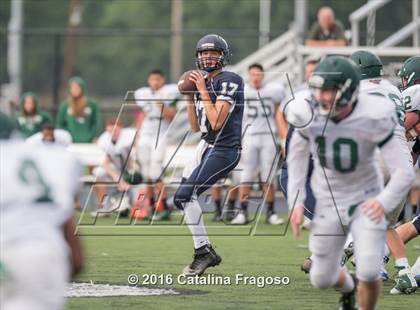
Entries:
{"x":112,"y":254}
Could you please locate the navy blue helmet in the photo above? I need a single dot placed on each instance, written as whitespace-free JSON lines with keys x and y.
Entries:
{"x":212,"y":42}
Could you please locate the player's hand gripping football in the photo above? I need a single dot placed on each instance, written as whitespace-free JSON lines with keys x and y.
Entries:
{"x":199,"y":79}
{"x":373,"y":209}
{"x":296,"y":215}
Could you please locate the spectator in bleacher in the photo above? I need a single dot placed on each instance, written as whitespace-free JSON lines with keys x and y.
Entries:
{"x":326,"y":31}
{"x":31,"y":118}
{"x":79,"y":114}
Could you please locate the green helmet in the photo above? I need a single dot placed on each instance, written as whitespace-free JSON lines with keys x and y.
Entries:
{"x":340,"y":73}
{"x":410,"y":71}
{"x":370,"y":64}
{"x":7,"y":126}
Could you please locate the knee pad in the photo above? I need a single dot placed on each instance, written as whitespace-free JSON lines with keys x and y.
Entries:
{"x":321,"y":275}
{"x":416,"y":223}
{"x":367,"y":271}
{"x":323,"y":280}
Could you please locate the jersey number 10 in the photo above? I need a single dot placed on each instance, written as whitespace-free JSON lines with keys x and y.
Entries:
{"x":337,"y":149}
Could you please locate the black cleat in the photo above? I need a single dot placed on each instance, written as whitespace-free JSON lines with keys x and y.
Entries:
{"x":306,"y":265}
{"x":204,"y":258}
{"x":348,"y":300}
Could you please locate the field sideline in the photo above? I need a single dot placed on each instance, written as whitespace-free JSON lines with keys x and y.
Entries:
{"x":110,"y":259}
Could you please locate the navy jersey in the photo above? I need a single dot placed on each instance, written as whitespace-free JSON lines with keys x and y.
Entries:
{"x":226,"y":86}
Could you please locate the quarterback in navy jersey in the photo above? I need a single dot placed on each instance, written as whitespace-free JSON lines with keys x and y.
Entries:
{"x":216,"y":111}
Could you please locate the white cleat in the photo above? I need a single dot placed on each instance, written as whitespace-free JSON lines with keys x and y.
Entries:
{"x":404,"y":282}
{"x":275,"y":220}
{"x":240,"y":219}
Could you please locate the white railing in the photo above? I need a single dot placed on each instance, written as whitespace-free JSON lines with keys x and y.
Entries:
{"x":362,"y":13}
{"x":270,"y":54}
{"x":411,"y":29}
{"x":284,"y":55}
{"x":403,"y":34}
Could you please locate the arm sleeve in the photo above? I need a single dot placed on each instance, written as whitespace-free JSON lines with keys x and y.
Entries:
{"x":297,"y":164}
{"x":402,"y":175}
{"x":384,"y":128}
{"x":279,"y":94}
{"x":172,"y":95}
{"x":229,"y":88}
{"x":140,"y":97}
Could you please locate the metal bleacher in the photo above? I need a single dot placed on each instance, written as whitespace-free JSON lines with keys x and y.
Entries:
{"x":286,"y":55}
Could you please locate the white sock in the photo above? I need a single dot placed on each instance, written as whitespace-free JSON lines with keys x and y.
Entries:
{"x":348,"y":285}
{"x":194,"y":220}
{"x":402,"y":262}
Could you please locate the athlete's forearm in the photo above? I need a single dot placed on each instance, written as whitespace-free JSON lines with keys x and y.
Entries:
{"x":110,"y":170}
{"x":216,"y":113}
{"x":282,"y":127}
{"x":297,"y":165}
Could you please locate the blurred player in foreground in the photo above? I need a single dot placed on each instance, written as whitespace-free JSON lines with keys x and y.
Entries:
{"x":39,"y":248}
{"x":216,"y":110}
{"x":350,"y":197}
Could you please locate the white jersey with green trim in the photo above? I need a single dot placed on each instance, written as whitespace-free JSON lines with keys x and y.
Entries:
{"x":118,"y":152}
{"x":371,"y":85}
{"x":260,"y":105}
{"x":411,"y":97}
{"x":383,"y":87}
{"x":39,"y":183}
{"x":151,"y":104}
{"x":346,"y":170}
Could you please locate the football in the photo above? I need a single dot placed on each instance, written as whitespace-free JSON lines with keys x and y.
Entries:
{"x":186,"y":86}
